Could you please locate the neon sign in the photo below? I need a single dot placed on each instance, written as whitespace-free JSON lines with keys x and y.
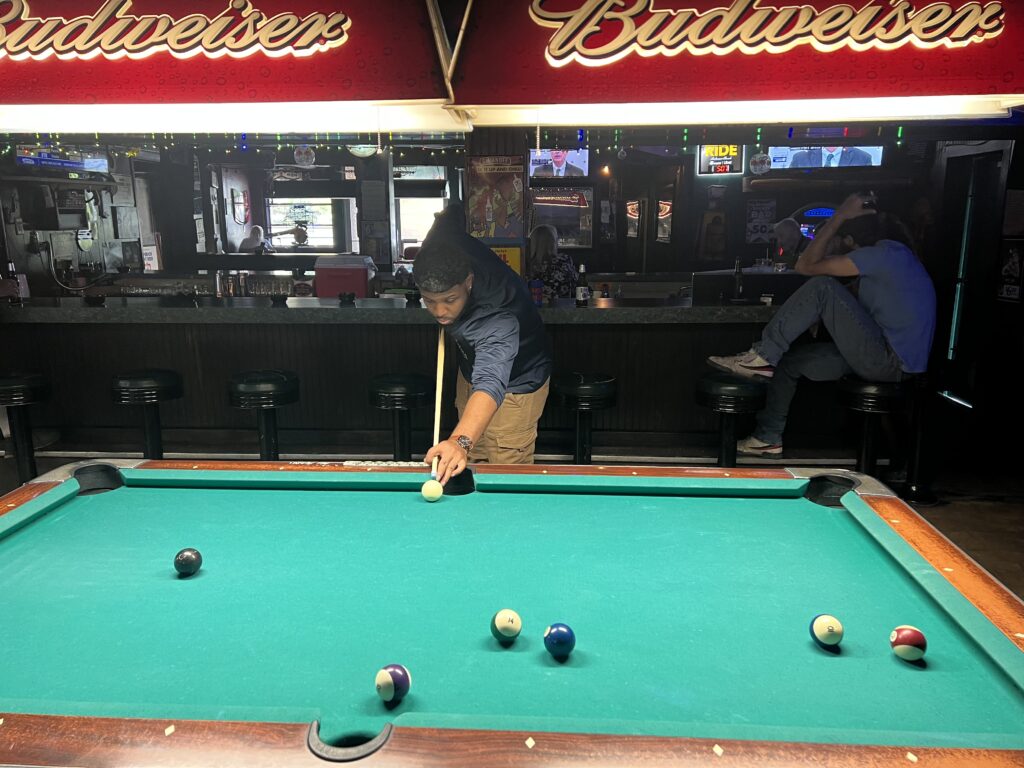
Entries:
{"x":600,"y":32}
{"x":113,"y":32}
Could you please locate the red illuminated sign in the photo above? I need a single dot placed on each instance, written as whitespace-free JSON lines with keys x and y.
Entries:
{"x":215,"y":51}
{"x":629,"y":51}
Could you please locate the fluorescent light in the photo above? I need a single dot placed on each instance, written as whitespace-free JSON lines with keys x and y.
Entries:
{"x":785,"y":112}
{"x":256,"y":117}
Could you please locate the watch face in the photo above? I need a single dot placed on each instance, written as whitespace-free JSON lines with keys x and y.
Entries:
{"x":464,"y":441}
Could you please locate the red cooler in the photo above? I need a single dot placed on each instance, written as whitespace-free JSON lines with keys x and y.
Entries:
{"x":341,"y":274}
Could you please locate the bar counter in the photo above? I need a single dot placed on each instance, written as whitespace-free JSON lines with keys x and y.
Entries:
{"x":378,"y":311}
{"x":656,"y":353}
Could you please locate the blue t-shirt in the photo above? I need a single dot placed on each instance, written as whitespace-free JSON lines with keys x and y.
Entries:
{"x":898,"y":293}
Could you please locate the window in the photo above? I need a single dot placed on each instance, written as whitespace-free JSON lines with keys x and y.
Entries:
{"x":314,"y":214}
{"x":416,"y":216}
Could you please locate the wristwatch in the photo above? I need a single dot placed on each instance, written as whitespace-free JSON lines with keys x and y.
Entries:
{"x":464,"y":442}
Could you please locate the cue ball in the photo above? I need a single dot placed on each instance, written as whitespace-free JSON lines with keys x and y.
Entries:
{"x":506,"y":626}
{"x":393,"y":683}
{"x":826,"y":630}
{"x":559,"y":639}
{"x":188,"y":561}
{"x":908,"y":642}
{"x":432,"y":490}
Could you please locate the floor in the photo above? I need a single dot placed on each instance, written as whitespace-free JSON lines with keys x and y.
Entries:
{"x":981,"y":511}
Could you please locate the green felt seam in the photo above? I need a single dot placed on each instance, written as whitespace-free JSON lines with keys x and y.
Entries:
{"x":989,"y":639}
{"x":642,"y":485}
{"x":35,"y":508}
{"x":284,"y":480}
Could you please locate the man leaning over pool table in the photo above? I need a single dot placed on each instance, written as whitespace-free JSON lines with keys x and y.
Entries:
{"x":505,"y":355}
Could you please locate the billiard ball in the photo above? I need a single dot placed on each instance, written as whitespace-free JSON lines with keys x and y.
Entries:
{"x":432,"y":490}
{"x":393,"y":683}
{"x":826,"y":630}
{"x":559,"y":639}
{"x":908,"y":642}
{"x":506,"y":626}
{"x":188,"y":561}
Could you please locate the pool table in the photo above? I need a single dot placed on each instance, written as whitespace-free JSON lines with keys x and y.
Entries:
{"x":690,"y":591}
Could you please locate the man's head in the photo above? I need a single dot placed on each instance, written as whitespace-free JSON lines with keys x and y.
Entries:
{"x":558,"y":157}
{"x":443,"y":274}
{"x":788,"y":233}
{"x":867,"y":230}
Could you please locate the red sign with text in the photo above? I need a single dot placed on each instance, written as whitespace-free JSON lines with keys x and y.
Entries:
{"x":215,"y":51}
{"x":613,"y":51}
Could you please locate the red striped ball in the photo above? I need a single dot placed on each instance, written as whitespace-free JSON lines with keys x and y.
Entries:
{"x":908,"y":642}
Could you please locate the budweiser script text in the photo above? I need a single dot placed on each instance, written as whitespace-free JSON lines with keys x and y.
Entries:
{"x":113,"y":32}
{"x":599,"y":32}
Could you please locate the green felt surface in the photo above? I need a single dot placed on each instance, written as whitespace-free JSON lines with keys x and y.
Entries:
{"x":690,"y":610}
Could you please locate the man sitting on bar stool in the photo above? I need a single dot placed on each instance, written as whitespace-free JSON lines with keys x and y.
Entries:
{"x":505,"y":359}
{"x":884,"y":335}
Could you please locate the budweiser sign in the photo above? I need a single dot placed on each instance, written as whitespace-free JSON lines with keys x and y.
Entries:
{"x":598,"y":32}
{"x":115,"y":32}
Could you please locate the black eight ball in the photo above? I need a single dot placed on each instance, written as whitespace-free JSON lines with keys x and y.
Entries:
{"x":188,"y":561}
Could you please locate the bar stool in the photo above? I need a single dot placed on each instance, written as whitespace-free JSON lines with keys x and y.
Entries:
{"x":584,"y":393}
{"x":400,"y":393}
{"x":917,"y":489}
{"x":264,"y":392}
{"x":148,"y":388}
{"x":729,"y":395}
{"x":17,"y":392}
{"x":873,"y":399}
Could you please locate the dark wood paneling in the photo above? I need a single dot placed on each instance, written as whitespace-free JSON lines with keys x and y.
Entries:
{"x":656,"y":366}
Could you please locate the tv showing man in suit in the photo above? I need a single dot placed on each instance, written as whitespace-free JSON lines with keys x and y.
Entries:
{"x":825,"y":157}
{"x":558,"y":163}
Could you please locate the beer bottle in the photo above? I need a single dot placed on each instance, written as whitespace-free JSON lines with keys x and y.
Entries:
{"x":737,"y":282}
{"x":582,"y":289}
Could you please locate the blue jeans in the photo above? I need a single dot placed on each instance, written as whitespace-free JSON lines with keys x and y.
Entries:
{"x":859,"y":346}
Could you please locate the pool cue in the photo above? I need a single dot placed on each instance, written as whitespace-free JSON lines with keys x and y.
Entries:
{"x":437,"y":397}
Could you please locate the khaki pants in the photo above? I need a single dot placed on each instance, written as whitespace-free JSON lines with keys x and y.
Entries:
{"x":512,"y":434}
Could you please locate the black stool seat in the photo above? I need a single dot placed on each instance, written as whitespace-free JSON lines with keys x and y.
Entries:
{"x":264,"y":391}
{"x":729,"y":395}
{"x":146,"y":386}
{"x":871,"y":396}
{"x":584,"y":393}
{"x":22,"y":389}
{"x":873,"y":399}
{"x":400,"y":393}
{"x":17,"y":391}
{"x":401,"y":390}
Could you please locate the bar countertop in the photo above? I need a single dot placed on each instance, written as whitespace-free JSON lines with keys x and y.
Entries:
{"x":382,"y":311}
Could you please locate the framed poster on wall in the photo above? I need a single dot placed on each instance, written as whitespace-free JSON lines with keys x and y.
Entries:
{"x":494,"y":204}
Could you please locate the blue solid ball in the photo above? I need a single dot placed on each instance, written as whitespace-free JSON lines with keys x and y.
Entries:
{"x":559,"y":639}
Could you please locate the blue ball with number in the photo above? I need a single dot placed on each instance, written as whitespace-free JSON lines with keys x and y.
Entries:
{"x":559,"y":639}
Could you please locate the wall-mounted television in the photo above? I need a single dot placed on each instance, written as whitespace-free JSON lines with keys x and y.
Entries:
{"x":559,"y":163}
{"x":825,"y":157}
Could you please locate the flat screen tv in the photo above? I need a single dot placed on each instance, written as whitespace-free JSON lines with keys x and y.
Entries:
{"x":825,"y":157}
{"x":559,"y":163}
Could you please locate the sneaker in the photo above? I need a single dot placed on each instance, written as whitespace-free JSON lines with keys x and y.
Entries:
{"x":751,"y":446}
{"x":749,"y":364}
